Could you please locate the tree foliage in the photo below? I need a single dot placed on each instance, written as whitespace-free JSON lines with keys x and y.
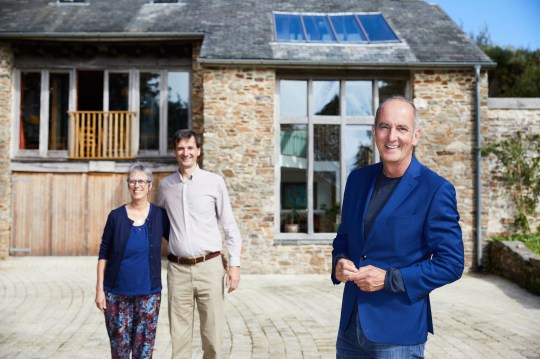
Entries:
{"x":518,"y":70}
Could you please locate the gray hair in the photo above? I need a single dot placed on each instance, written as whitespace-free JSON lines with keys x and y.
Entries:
{"x":416,"y":122}
{"x":140,"y":167}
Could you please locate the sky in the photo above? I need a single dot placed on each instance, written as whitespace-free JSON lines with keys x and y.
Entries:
{"x":513,"y":23}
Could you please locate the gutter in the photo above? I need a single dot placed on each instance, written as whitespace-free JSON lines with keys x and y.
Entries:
{"x":478,"y":180}
{"x":101,"y":36}
{"x":341,"y":64}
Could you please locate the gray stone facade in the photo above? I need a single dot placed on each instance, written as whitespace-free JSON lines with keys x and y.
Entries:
{"x":239,"y":143}
{"x":234,"y":108}
{"x":6,"y":72}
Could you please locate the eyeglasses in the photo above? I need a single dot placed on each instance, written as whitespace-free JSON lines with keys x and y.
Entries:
{"x":140,"y":182}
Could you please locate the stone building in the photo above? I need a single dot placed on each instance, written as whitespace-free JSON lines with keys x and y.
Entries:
{"x":284,"y":93}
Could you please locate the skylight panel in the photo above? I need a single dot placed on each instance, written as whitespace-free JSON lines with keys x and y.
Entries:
{"x":347,"y":28}
{"x":332,"y":28}
{"x":289,"y":28}
{"x":377,"y":28}
{"x":318,"y":29}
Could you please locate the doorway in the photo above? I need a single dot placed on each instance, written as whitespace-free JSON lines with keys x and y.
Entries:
{"x":90,"y":90}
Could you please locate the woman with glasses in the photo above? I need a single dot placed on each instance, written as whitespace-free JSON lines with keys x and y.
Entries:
{"x":128,"y":289}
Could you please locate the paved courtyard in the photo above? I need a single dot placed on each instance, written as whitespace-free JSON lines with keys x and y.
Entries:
{"x":47,"y":311}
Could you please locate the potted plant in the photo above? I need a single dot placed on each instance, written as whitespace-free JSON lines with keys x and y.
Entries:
{"x":292,"y":225}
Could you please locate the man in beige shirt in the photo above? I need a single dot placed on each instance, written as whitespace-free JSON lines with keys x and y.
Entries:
{"x":197,"y":203}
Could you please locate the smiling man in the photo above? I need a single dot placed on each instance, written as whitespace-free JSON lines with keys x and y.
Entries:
{"x":399,"y":239}
{"x":197,"y":203}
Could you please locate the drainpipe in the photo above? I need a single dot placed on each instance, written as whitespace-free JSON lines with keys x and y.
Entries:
{"x":478,"y":172}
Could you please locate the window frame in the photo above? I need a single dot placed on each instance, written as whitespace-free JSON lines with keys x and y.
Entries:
{"x":310,"y":236}
{"x":328,"y":16}
{"x":73,"y":2}
{"x":133,"y":105}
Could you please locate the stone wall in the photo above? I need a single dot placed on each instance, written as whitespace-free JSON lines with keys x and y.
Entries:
{"x":514,"y":261}
{"x":507,"y":116}
{"x":446,"y":104}
{"x":239,"y":145}
{"x":6,"y":72}
{"x":239,"y":129}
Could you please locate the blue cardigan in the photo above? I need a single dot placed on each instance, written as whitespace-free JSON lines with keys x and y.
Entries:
{"x":116,"y":234}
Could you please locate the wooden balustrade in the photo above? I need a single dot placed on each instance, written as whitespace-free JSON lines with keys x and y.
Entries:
{"x":101,"y":134}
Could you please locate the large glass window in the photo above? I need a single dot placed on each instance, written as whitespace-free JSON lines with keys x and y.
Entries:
{"x":30,"y":110}
{"x":293,"y":98}
{"x":177,"y":104}
{"x":149,"y":90}
{"x":325,"y":133}
{"x":326,"y":98}
{"x":118,"y":91}
{"x":44,"y":100}
{"x":58,"y":111}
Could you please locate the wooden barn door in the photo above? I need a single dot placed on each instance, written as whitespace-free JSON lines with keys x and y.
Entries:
{"x":47,"y":210}
{"x":63,"y":214}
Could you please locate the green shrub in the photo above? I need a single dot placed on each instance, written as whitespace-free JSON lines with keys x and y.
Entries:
{"x":531,"y":240}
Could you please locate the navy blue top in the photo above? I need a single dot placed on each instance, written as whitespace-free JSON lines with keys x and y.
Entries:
{"x":116,"y":237}
{"x":134,"y":275}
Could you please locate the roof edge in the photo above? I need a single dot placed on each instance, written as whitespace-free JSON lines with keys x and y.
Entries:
{"x":342,"y":65}
{"x":101,"y":36}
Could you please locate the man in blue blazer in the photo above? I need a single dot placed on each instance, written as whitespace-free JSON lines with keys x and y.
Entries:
{"x":398,"y":240}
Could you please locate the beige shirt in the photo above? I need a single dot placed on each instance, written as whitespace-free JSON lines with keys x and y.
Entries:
{"x":196,"y":207}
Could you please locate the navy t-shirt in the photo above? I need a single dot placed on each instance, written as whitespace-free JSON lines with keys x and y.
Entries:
{"x":134,"y":274}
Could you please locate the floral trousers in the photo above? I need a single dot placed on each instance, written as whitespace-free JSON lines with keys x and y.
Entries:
{"x":131,"y":322}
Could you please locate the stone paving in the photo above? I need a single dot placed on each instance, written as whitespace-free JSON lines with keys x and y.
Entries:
{"x":47,"y":311}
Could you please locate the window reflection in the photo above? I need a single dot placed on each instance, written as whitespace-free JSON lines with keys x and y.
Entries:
{"x":177,"y":103}
{"x":293,"y":161}
{"x":118,"y":91}
{"x":359,"y":98}
{"x":293,"y":98}
{"x":326,"y":98}
{"x":318,"y":28}
{"x":359,"y":146}
{"x":326,"y":177}
{"x":389,"y":88}
{"x":347,"y":28}
{"x":58,"y":111}
{"x":149,"y":111}
{"x":288,"y":28}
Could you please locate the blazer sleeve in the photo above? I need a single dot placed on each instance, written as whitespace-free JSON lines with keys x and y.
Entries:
{"x":341,"y":242}
{"x":442,"y":234}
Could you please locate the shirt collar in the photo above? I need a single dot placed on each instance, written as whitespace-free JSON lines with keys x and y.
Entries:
{"x":190,"y":178}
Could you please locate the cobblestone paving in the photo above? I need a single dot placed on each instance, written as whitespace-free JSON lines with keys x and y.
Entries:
{"x":47,"y":311}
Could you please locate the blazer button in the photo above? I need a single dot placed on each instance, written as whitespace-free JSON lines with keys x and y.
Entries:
{"x":364,"y":257}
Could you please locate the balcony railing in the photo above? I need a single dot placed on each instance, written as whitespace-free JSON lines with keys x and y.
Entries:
{"x":101,"y":134}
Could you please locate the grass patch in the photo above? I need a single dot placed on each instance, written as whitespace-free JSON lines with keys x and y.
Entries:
{"x":531,"y":240}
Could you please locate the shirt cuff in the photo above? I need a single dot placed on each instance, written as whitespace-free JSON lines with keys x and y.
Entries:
{"x":393,"y":281}
{"x":234,"y":261}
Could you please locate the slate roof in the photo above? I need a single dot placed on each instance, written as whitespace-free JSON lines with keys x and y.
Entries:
{"x":242,"y":31}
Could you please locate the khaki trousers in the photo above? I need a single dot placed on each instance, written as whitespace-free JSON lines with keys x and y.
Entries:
{"x":203,"y":284}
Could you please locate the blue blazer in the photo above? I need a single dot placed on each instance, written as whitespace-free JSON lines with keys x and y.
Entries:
{"x":417,"y":231}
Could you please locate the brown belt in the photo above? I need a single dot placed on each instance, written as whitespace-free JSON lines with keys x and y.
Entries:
{"x":192,"y":260}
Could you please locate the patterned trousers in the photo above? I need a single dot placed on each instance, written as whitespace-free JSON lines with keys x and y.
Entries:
{"x":131,"y":322}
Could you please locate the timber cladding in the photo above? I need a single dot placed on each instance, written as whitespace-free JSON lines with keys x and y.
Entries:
{"x":63,"y":214}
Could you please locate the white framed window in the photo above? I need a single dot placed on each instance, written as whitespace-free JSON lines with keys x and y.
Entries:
{"x":42,"y":99}
{"x":324,"y":132}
